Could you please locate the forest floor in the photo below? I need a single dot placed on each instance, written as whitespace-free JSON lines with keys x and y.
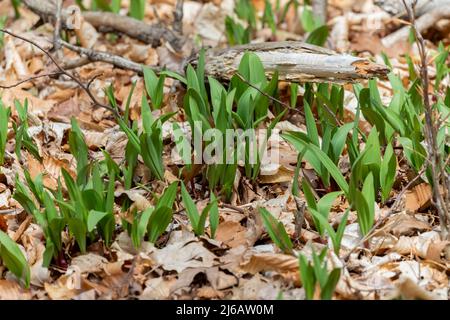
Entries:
{"x":242,"y":254}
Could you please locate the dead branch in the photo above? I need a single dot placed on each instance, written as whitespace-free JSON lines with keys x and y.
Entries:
{"x":107,"y":22}
{"x":422,"y":24}
{"x":295,"y":62}
{"x":68,"y":74}
{"x":117,"y":61}
{"x":51,"y":74}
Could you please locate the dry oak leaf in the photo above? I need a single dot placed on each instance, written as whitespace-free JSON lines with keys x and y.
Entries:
{"x":257,"y":288}
{"x":232,"y":233}
{"x":50,"y":168}
{"x":11,"y":290}
{"x":409,"y":290}
{"x":65,"y":288}
{"x":418,"y":245}
{"x":270,"y":262}
{"x":219,"y":280}
{"x":418,"y":197}
{"x":405,"y":224}
{"x":88,"y":263}
{"x":180,"y":256}
{"x":158,"y":288}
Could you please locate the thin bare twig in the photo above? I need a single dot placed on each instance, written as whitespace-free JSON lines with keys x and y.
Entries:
{"x":51,"y":74}
{"x":71,"y":76}
{"x":100,"y":56}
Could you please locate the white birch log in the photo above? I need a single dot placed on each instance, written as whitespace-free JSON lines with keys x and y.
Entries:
{"x":295,"y":62}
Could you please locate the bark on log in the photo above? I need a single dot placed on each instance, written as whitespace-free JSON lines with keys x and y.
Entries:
{"x":295,"y":62}
{"x":107,"y":22}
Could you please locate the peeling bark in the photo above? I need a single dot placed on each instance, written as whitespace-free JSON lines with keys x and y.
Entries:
{"x":295,"y":62}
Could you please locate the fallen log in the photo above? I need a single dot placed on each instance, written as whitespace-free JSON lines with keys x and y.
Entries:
{"x":295,"y":62}
{"x":107,"y":22}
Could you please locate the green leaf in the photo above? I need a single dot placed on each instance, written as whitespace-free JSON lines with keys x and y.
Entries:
{"x":79,"y":149}
{"x":14,"y":259}
{"x":318,"y":36}
{"x":252,"y":69}
{"x":328,"y":289}
{"x":307,"y":277}
{"x":276,"y":231}
{"x":137,"y":9}
{"x":94,"y":218}
{"x":168,"y":196}
{"x":159,"y":220}
{"x":78,"y":229}
{"x":154,"y":86}
{"x":5,"y":113}
{"x":191,"y":208}
{"x":331,"y":167}
{"x":140,"y":227}
{"x":311,"y":125}
{"x":213,"y":215}
{"x":151,"y":147}
{"x":387,"y":172}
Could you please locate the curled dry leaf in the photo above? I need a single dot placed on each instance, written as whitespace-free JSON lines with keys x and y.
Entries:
{"x":182,"y":255}
{"x":281,"y":263}
{"x":87,"y":263}
{"x":216,"y":278}
{"x":404,"y":224}
{"x":409,"y":290}
{"x":256,"y":288}
{"x":232,"y":233}
{"x":418,"y":197}
{"x":158,"y":288}
{"x":418,"y":245}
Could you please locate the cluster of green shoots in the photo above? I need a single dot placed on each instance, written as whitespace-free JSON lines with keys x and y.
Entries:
{"x":241,"y":30}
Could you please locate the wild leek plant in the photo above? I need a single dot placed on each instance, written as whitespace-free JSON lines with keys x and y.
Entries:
{"x":148,"y":144}
{"x":154,"y":220}
{"x":198,"y":220}
{"x":13,"y":259}
{"x":315,"y":275}
{"x":5,"y":113}
{"x":276,"y":231}
{"x":21,"y":131}
{"x":88,"y":211}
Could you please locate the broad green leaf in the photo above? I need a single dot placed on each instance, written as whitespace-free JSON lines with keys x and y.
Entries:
{"x":213,"y":215}
{"x":94,"y":218}
{"x":159,"y":220}
{"x":331,"y":167}
{"x":276,"y":231}
{"x":318,"y":36}
{"x":307,"y":277}
{"x":387,"y":172}
{"x":14,"y":259}
{"x":191,"y":208}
